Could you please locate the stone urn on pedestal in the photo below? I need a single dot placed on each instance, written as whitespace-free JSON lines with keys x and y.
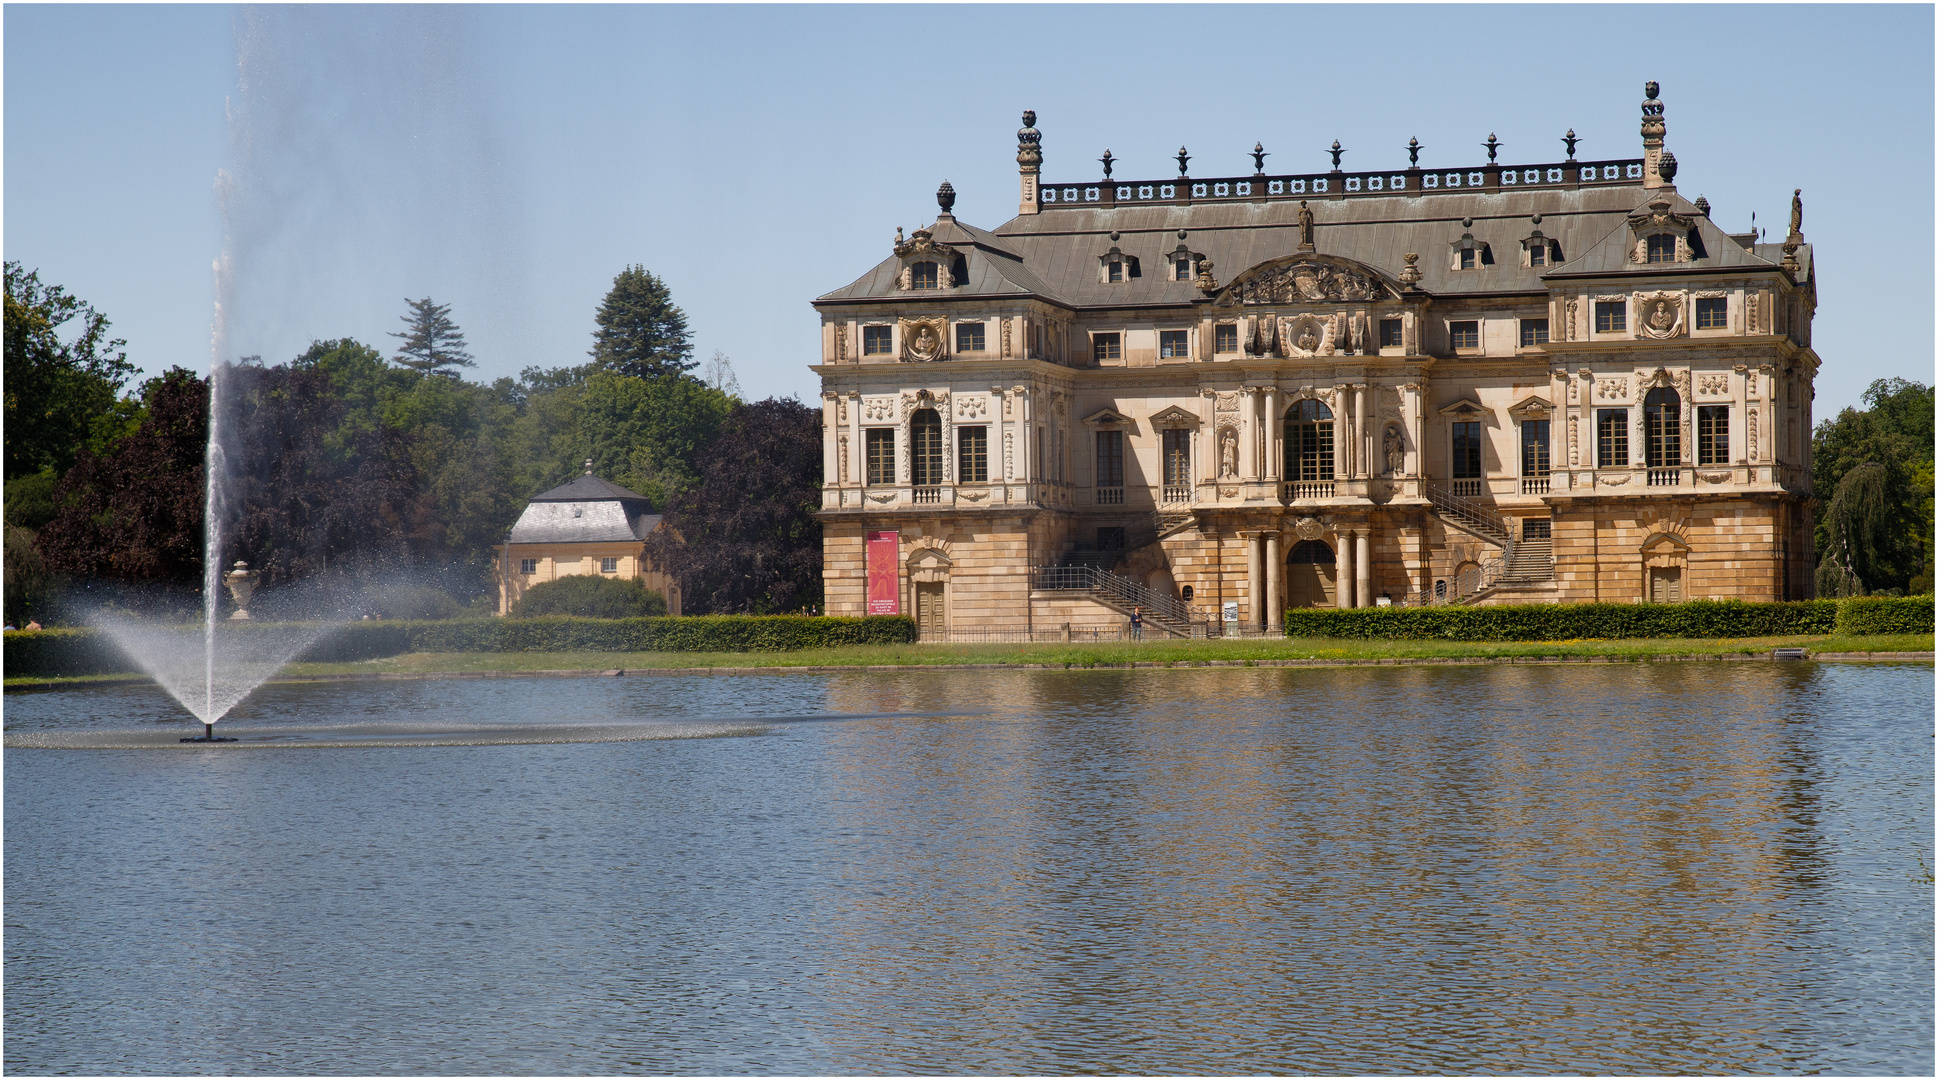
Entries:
{"x":242,"y":585}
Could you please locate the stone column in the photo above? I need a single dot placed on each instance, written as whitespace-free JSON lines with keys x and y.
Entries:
{"x":1248,"y":434}
{"x":1343,"y":569}
{"x":1409,"y":419}
{"x":857,"y":450}
{"x":1739,"y":434}
{"x":1363,"y":569}
{"x":1341,"y":467}
{"x":1254,"y":578}
{"x":1360,"y":459}
{"x":1271,"y":470}
{"x":830,"y":438}
{"x":1274,"y":583}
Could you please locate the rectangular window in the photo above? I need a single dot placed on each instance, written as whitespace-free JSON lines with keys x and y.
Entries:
{"x":1611,"y":438}
{"x":1464,"y":335}
{"x":609,"y":566}
{"x":1184,"y":269}
{"x":1662,"y":249}
{"x":1611,"y":316}
{"x":1227,"y":337}
{"x":1116,"y":270}
{"x":1537,"y":529}
{"x":1466,"y":450}
{"x":1106,"y":347}
{"x":528,"y":566}
{"x":1390,"y":334}
{"x":969,"y":337}
{"x":1534,"y":332}
{"x":1534,"y":448}
{"x":1466,"y":258}
{"x":1712,"y":434}
{"x":922,"y":276}
{"x":877,"y":340}
{"x":1173,"y":343}
{"x":1110,"y":459}
{"x":1177,"y":458}
{"x":972,"y":454}
{"x":925,"y":449}
{"x":881,"y":455}
{"x":1712,"y":313}
{"x":1537,"y":254}
{"x":1110,"y":538}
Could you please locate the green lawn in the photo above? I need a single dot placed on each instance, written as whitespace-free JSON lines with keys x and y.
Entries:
{"x":1146,"y":652}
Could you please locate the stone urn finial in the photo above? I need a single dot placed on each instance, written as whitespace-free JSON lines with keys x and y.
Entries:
{"x":242,"y":585}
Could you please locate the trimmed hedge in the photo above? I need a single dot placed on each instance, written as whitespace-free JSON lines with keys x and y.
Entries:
{"x":1885,"y":615}
{"x":50,"y":653}
{"x":1569,"y":622}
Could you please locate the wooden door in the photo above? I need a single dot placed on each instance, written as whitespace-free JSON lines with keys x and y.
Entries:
{"x":928,"y":609}
{"x":1665,"y":584}
{"x":1310,"y":575}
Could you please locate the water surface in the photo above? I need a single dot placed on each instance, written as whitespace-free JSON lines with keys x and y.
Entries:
{"x":1675,"y":868}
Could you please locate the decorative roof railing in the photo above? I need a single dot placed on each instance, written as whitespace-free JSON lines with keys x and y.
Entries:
{"x":1488,"y":178}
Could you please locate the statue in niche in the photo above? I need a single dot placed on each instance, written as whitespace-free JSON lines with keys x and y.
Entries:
{"x":1305,"y":226}
{"x":926,"y":345}
{"x":1228,"y":454}
{"x":1308,"y":341}
{"x":1395,"y":454}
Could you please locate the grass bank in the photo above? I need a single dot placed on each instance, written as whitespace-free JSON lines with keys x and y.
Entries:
{"x":1151,"y":652}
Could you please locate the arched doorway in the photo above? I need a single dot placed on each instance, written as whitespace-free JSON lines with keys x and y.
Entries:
{"x":1310,"y":575}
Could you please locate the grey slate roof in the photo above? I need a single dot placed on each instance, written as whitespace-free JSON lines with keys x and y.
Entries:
{"x":1055,"y":254}
{"x":587,"y":510}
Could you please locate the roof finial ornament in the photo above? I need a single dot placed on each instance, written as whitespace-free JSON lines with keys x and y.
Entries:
{"x":1571,"y":141}
{"x":1493,"y":146}
{"x":1410,"y":274}
{"x":1667,"y":166}
{"x":1335,"y":155}
{"x":1184,"y":159}
{"x":1653,"y":130}
{"x":1702,"y":205}
{"x":1259,"y":154}
{"x":1107,"y":159}
{"x":1651,"y":89}
{"x":588,"y":466}
{"x":945,"y":197}
{"x":1029,"y":161}
{"x":1413,"y":152}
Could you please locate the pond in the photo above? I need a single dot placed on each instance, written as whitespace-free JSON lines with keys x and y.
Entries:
{"x":1650,"y":868}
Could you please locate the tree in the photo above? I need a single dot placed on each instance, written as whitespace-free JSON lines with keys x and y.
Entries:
{"x":1874,"y":468}
{"x":641,"y":332}
{"x":56,"y":391}
{"x":719,"y":374}
{"x":433,"y":342}
{"x":134,"y":514}
{"x":745,"y":538}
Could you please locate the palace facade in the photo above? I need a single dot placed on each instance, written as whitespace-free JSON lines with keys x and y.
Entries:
{"x":1216,"y":398}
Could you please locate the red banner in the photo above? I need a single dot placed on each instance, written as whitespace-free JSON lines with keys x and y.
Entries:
{"x":884,"y":573}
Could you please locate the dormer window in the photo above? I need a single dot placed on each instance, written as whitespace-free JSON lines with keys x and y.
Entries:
{"x":1181,"y":268}
{"x":1662,"y":248}
{"x":1115,"y":266}
{"x":1467,"y":258}
{"x":1471,"y":254}
{"x":922,"y":275}
{"x":1115,"y":271}
{"x":1537,"y":255}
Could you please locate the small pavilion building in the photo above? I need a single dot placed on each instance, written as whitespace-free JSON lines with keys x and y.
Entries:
{"x":589,"y":526}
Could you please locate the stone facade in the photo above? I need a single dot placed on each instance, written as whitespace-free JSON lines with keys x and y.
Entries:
{"x":1497,"y":384}
{"x":587,"y":526}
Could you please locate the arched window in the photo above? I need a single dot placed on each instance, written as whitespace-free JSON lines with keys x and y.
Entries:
{"x":1662,"y":416}
{"x":925,"y":448}
{"x":922,"y":276}
{"x":1308,"y":441}
{"x":1311,"y":552}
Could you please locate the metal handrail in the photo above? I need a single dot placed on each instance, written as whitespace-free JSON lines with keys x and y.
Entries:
{"x":1121,"y":589}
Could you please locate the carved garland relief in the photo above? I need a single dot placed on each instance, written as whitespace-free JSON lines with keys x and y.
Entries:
{"x":1611,"y":389}
{"x":972,"y":408}
{"x":1712,"y":385}
{"x":840,"y":342}
{"x":1574,"y":441}
{"x":878,"y":408}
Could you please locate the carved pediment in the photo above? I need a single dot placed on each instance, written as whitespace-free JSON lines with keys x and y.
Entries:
{"x":1659,"y":216}
{"x":1533,"y":408}
{"x":1174,"y":417}
{"x":1109,"y":418}
{"x":922,"y":244}
{"x":1465,"y":409}
{"x":1305,"y":280}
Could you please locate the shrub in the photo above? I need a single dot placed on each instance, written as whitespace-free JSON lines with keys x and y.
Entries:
{"x":66,"y":651}
{"x":1567,"y":622}
{"x":417,"y":602}
{"x":1885,"y":615}
{"x":590,"y":596}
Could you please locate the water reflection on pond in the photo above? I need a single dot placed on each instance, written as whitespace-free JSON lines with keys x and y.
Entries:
{"x":1648,"y":868}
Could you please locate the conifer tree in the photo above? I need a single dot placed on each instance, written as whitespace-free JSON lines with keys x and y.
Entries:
{"x":641,"y":331}
{"x":433,"y":342}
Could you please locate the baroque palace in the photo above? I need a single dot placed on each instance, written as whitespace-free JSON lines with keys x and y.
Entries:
{"x":1218,"y":398}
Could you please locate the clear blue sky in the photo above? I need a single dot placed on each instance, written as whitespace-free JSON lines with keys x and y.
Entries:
{"x":510,"y":161}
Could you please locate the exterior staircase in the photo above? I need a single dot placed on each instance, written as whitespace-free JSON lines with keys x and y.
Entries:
{"x":1524,"y":562}
{"x":1170,"y":517}
{"x":1075,"y":574}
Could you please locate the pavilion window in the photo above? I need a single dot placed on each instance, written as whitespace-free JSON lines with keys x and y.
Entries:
{"x":1611,"y":438}
{"x":877,"y":340}
{"x":1611,"y":316}
{"x":1107,"y":347}
{"x":1712,"y":313}
{"x":1110,"y":459}
{"x":1662,"y":423}
{"x":609,"y":565}
{"x":1390,"y":334}
{"x":1226,"y":339}
{"x":972,"y":454}
{"x":1534,"y":332}
{"x":1173,"y":343}
{"x":881,"y":455}
{"x":1712,"y":435}
{"x":925,"y":448}
{"x":969,"y":337}
{"x":1466,"y":450}
{"x":1534,"y":448}
{"x":528,"y":566}
{"x":1308,"y":441}
{"x":1177,"y":457}
{"x":1464,"y":335}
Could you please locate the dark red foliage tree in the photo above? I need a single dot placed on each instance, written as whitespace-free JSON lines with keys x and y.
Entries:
{"x":745,"y":540}
{"x":134,"y":514}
